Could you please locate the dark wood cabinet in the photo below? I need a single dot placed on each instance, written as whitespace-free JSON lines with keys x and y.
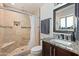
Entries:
{"x":51,"y":50}
{"x":47,"y":49}
{"x":62,"y":52}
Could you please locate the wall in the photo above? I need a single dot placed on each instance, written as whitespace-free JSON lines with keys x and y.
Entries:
{"x":46,"y":11}
{"x":10,"y":32}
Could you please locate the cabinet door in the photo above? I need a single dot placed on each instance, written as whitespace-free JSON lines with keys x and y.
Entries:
{"x":46,"y":49}
{"x":52,"y":50}
{"x":62,"y":52}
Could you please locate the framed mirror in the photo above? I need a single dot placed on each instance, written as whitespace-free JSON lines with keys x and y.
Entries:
{"x":64,"y":18}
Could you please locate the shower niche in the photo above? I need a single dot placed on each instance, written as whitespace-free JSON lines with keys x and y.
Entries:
{"x":16,"y":23}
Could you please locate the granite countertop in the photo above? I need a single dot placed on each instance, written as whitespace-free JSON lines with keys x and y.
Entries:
{"x":74,"y":47}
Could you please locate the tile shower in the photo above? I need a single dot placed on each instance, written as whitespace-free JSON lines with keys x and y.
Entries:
{"x":14,"y":31}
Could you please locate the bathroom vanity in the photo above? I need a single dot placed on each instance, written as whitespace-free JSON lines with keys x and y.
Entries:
{"x":55,"y":49}
{"x":66,"y":28}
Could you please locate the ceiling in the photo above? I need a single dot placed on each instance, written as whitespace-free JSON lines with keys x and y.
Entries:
{"x":30,"y":7}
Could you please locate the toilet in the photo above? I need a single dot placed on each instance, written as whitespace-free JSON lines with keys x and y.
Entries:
{"x":36,"y":51}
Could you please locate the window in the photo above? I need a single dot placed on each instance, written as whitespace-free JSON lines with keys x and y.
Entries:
{"x":67,"y":22}
{"x":70,"y":21}
{"x":62,"y":21}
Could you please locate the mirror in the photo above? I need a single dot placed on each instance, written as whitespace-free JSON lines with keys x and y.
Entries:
{"x":64,"y":18}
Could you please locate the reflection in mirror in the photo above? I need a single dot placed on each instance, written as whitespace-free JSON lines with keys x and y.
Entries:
{"x":62,"y":21}
{"x":70,"y":23}
{"x":66,"y":22}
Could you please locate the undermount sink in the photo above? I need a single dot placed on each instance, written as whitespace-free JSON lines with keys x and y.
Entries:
{"x":61,"y":42}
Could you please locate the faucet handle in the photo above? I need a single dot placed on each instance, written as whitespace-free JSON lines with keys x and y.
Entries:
{"x":58,"y":37}
{"x":62,"y":35}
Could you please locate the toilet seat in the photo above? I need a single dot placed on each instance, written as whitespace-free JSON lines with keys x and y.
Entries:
{"x":36,"y":50}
